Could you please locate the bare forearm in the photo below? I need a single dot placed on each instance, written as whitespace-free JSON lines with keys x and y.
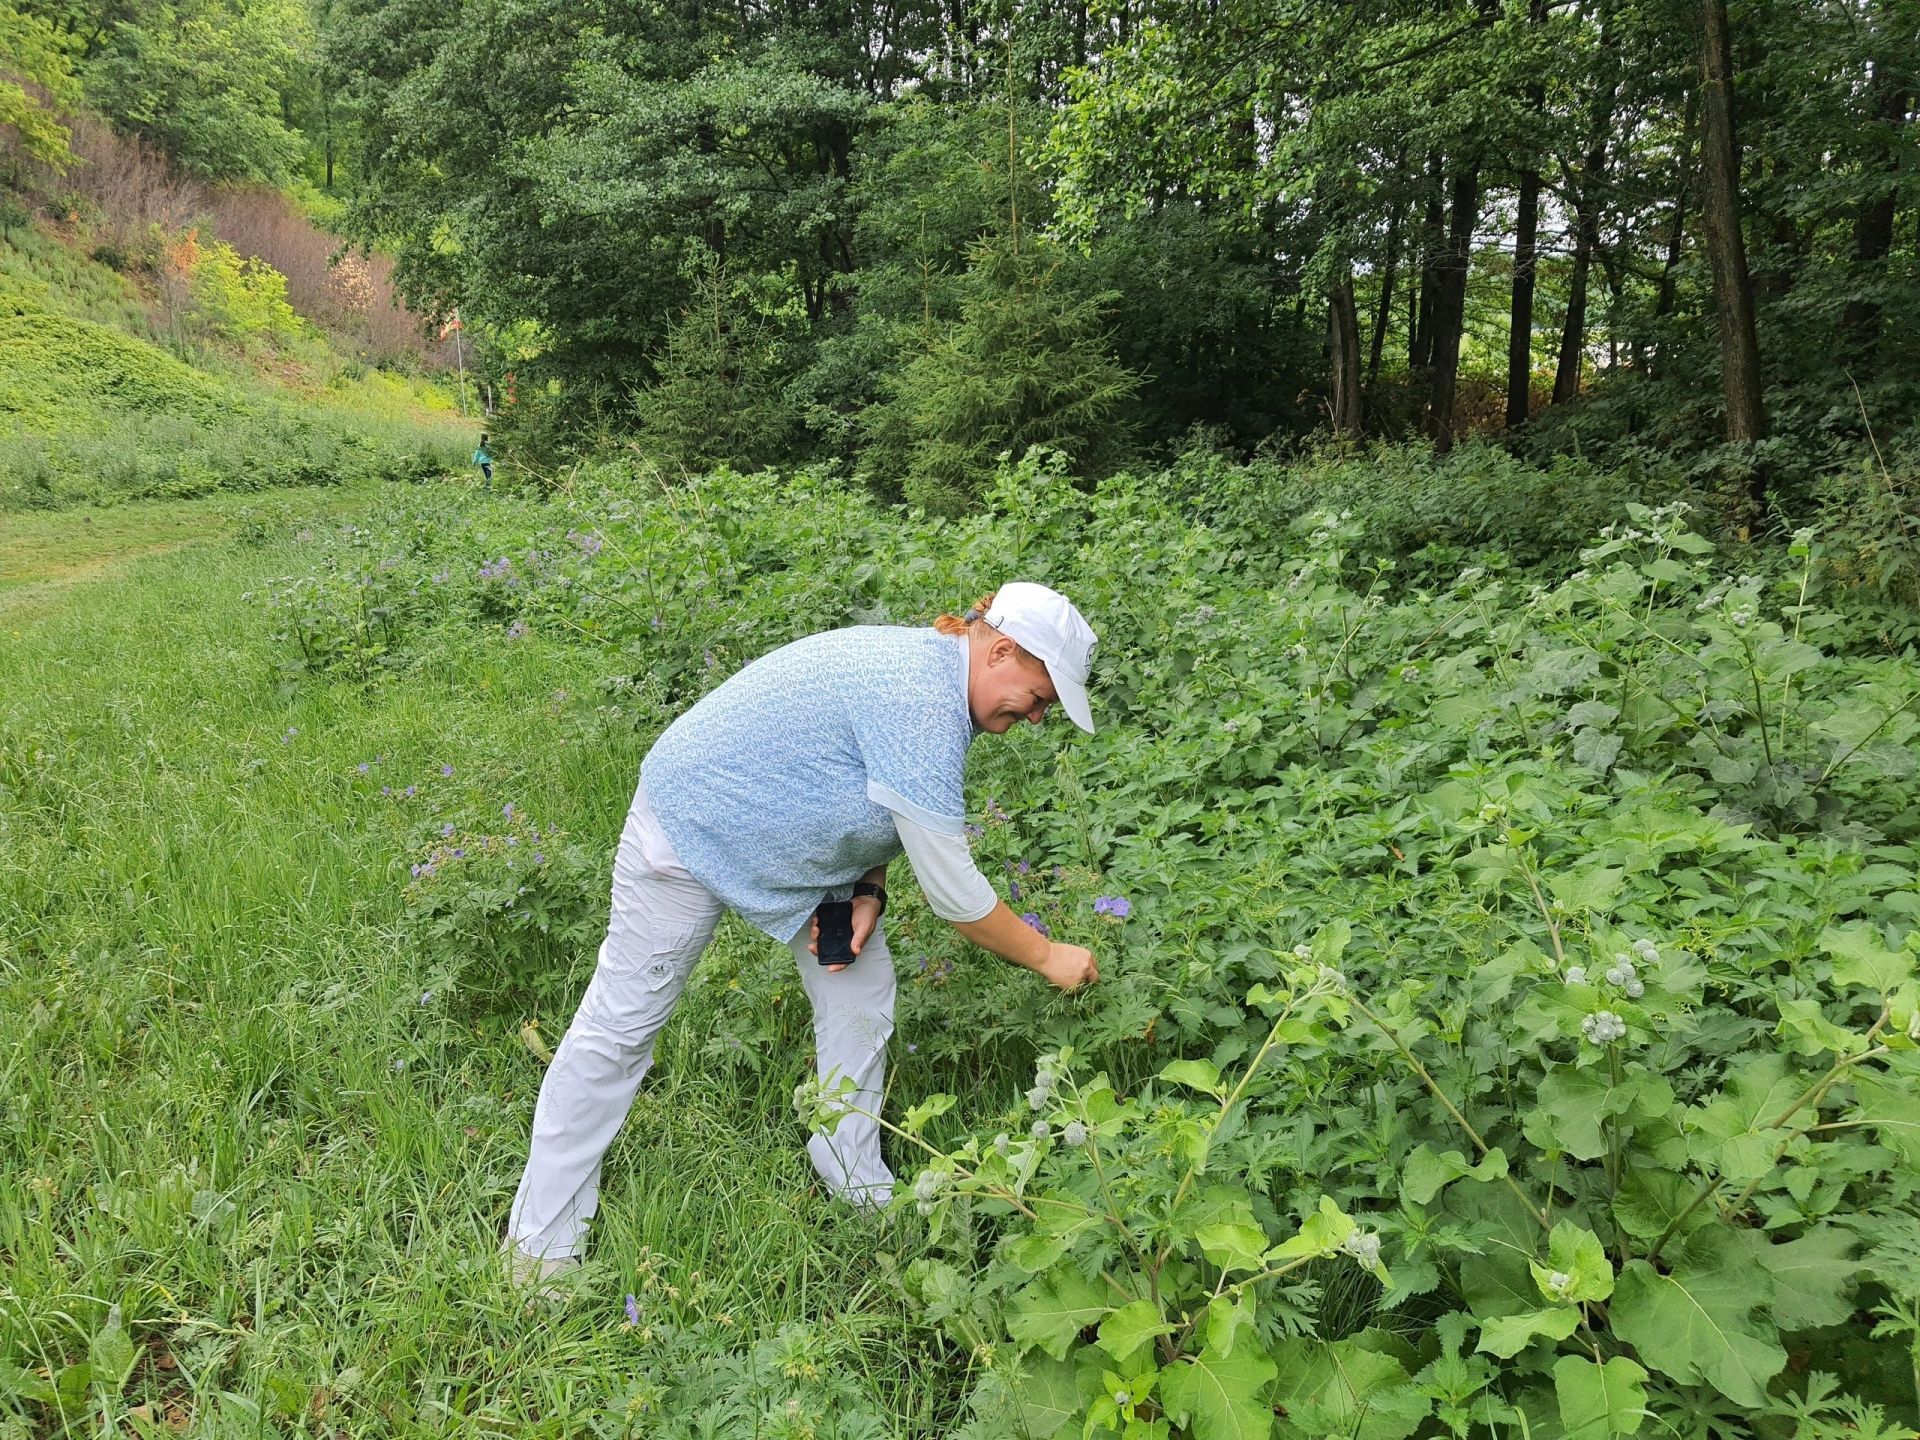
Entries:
{"x":875,"y":876}
{"x":1006,"y":935}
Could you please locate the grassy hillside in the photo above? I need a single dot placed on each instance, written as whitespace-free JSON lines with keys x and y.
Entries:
{"x":107,"y":395}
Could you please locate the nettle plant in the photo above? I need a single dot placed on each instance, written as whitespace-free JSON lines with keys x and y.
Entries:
{"x":1589,"y":1107}
{"x":1618,"y":1249}
{"x":1596,"y":1109}
{"x":344,"y":620}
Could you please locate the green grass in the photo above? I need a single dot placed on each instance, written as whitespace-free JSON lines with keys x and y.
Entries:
{"x":228,"y":1111}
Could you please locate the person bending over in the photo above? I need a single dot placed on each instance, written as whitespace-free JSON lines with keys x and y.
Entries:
{"x":792,"y":784}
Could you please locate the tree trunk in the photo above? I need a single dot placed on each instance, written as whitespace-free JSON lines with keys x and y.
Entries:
{"x":1586,"y":191}
{"x":1450,"y":306}
{"x":1726,"y":248}
{"x":1343,"y":329}
{"x":1433,"y":242}
{"x":1677,"y":225}
{"x":1873,"y":226}
{"x":1383,"y":312}
{"x":1520,"y":320}
{"x":1525,"y":261}
{"x":1776,"y":267}
{"x":1609,"y":259}
{"x":1573,"y":335}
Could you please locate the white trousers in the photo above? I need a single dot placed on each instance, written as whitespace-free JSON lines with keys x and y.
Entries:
{"x":662,"y":918}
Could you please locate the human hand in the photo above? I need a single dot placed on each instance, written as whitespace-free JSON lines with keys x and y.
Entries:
{"x":866,"y":917}
{"x":1069,"y":966}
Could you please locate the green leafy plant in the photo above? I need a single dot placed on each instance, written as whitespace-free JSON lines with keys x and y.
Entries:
{"x":506,"y":909}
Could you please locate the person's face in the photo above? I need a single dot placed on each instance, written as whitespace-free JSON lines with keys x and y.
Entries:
{"x":1003,"y":688}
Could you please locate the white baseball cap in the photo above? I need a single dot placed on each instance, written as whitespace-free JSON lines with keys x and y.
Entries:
{"x":1053,"y":632}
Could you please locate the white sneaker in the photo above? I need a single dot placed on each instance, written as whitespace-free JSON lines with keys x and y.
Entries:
{"x":548,"y":1277}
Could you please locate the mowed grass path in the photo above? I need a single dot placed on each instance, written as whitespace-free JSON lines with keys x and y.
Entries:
{"x":43,"y":552}
{"x":228,"y":1110}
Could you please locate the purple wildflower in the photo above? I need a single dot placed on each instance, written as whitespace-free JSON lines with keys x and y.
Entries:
{"x":506,"y":810}
{"x":633,"y":1311}
{"x":1022,"y":866}
{"x":387,"y":791}
{"x":1117,"y":906}
{"x":410,"y":791}
{"x":538,"y":858}
{"x":446,"y":772}
{"x":1036,"y":922}
{"x":517,"y":630}
{"x":363,"y":767}
{"x":975,"y":830}
{"x":441,"y":578}
{"x":446,"y":829}
{"x":923,"y":964}
{"x":459,"y":854}
{"x":1013,"y":888}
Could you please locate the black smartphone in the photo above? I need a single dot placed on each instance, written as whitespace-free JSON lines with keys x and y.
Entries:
{"x":836,"y":932}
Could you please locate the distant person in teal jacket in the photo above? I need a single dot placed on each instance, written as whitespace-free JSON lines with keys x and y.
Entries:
{"x":484,"y":460}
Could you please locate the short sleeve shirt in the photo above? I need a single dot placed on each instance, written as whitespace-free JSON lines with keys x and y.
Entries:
{"x":778,"y":789}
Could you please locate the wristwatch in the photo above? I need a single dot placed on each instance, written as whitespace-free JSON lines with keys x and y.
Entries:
{"x":867,"y":887}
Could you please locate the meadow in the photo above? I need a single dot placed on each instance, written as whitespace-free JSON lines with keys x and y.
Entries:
{"x":1506,"y":910}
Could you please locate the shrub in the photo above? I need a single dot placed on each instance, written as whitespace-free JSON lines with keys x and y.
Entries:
{"x":1870,"y":516}
{"x":717,"y":398}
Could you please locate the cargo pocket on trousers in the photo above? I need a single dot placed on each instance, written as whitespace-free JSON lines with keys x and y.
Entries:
{"x":661,"y":971}
{"x":652,"y":962}
{"x":635,"y":986}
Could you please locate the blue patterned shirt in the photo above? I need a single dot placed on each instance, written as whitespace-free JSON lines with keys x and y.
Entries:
{"x":779,"y":788}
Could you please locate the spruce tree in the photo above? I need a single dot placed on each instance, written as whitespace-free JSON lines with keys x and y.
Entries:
{"x":717,"y":397}
{"x":1028,"y":363}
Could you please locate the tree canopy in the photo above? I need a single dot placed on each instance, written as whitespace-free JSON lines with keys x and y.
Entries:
{"x":1646,"y":227}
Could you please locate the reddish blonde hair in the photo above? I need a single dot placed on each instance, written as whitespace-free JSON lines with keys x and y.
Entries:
{"x":977,"y":617}
{"x":963,"y":624}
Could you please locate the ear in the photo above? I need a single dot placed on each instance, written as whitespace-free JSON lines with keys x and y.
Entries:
{"x":1001,"y":649}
